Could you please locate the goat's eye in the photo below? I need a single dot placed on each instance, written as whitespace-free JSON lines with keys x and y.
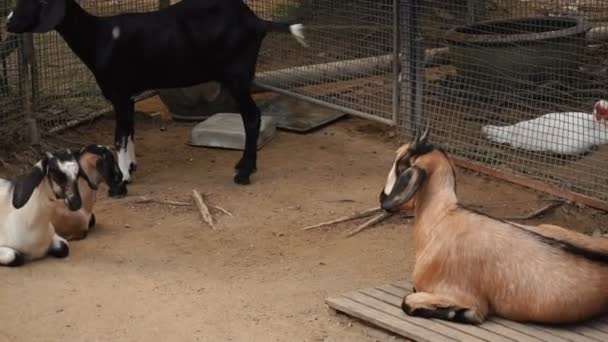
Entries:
{"x":59,"y":178}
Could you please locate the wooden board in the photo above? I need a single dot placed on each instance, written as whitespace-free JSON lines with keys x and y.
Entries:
{"x":381,"y":306}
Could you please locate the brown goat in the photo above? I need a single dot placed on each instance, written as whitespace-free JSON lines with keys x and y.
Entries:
{"x":469,"y":265}
{"x":99,"y":165}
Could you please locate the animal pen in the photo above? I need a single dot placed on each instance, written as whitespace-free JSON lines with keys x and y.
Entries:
{"x":457,"y":65}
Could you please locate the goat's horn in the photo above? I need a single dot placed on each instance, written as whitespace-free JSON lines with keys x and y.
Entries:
{"x":427,"y":130}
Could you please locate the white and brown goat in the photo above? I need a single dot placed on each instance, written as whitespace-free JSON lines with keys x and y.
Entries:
{"x":469,"y":265}
{"x":99,"y":165}
{"x":26,"y":206}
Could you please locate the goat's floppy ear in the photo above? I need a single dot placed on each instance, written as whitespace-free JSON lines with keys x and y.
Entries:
{"x":51,"y":15}
{"x":84,"y":176}
{"x":81,"y":173}
{"x":24,"y":185}
{"x":404,"y":189}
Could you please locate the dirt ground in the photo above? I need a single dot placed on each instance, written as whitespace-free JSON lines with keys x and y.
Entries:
{"x":152,"y":272}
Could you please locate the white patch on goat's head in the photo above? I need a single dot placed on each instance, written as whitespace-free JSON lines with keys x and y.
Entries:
{"x":115,"y":32}
{"x":69,"y":168}
{"x":10,"y":15}
{"x":392,"y":175}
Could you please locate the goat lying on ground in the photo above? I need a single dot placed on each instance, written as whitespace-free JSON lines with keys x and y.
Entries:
{"x":470,"y":265}
{"x":98,"y":164}
{"x":26,"y":206}
{"x":191,"y":42}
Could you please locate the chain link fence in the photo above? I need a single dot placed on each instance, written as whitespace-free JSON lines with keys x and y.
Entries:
{"x":478,"y":67}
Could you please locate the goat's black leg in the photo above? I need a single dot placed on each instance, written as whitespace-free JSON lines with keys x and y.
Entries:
{"x":123,"y":136}
{"x":462,"y":308}
{"x":59,"y":247}
{"x":250,"y":113}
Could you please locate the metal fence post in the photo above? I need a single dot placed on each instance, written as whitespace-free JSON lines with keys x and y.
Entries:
{"x":396,"y":63}
{"x":412,"y":66}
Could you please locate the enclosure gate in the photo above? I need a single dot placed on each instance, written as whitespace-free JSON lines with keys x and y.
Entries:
{"x":351,"y":64}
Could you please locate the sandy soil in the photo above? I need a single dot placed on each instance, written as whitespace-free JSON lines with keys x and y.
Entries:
{"x":151,"y":272}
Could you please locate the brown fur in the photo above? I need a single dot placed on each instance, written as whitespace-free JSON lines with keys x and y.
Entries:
{"x":469,"y":265}
{"x":74,"y":225}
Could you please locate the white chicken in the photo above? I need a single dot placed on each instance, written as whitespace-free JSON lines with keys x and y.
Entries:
{"x":564,"y":133}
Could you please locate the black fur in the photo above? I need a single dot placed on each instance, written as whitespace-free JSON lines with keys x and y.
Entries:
{"x":439,"y":313}
{"x":92,"y":221}
{"x":24,"y":185}
{"x":18,"y":261}
{"x":564,"y":246}
{"x":188,"y":43}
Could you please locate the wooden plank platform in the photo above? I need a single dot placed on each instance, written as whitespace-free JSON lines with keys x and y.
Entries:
{"x":381,"y":306}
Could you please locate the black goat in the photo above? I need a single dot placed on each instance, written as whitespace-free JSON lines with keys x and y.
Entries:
{"x":191,"y":42}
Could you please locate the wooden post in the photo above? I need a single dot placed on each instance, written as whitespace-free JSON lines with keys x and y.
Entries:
{"x":26,"y":52}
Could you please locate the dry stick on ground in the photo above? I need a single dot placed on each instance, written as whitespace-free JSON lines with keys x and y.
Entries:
{"x":375,"y":220}
{"x":354,"y":216}
{"x":144,"y":200}
{"x":222,"y":210}
{"x":384,"y":215}
{"x":202,"y":207}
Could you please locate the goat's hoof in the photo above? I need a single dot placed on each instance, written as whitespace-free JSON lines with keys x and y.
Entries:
{"x":62,"y":251}
{"x":19,"y":260}
{"x":239,"y":166}
{"x":242,"y":179}
{"x":118,"y":191}
{"x":406,"y":308}
{"x":92,"y":222}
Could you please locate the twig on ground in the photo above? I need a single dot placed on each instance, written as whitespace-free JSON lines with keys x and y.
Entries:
{"x":354,"y":216}
{"x":203,"y":209}
{"x":222,"y":210}
{"x":144,"y":200}
{"x":372,"y":222}
{"x":536,"y":212}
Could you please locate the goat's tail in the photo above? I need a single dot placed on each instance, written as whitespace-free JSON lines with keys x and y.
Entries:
{"x":297,"y":30}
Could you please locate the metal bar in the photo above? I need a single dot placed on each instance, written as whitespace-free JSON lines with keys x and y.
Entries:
{"x":396,"y":61}
{"x":419,"y":84}
{"x":409,"y":71}
{"x":326,"y":104}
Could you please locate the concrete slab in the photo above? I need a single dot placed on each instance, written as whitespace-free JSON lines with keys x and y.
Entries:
{"x":225,"y":130}
{"x":298,"y":116}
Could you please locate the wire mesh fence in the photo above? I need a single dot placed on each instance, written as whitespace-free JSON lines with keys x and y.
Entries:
{"x":511,"y":85}
{"x":350,"y":60}
{"x":473,"y":68}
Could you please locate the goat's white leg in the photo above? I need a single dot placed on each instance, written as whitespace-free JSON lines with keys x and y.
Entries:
{"x":457,"y":308}
{"x":59,"y":247}
{"x":131,"y":154}
{"x":10,"y":257}
{"x":123,"y":136}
